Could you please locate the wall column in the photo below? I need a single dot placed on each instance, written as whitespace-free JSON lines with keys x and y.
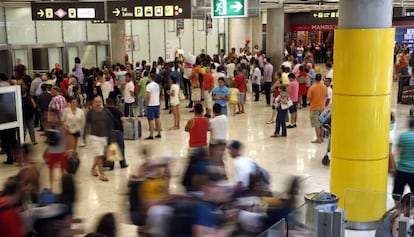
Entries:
{"x":361,"y":109}
{"x":275,"y":35}
{"x":117,"y":46}
{"x":239,"y":32}
{"x":257,"y":26}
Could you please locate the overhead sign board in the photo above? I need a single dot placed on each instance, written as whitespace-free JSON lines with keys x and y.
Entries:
{"x":68,"y":11}
{"x":229,"y":8}
{"x":143,"y":9}
{"x":325,"y":14}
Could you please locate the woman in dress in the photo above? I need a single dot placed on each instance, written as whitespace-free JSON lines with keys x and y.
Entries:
{"x":74,"y":122}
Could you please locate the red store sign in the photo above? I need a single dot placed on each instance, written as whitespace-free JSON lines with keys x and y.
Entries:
{"x":314,"y":27}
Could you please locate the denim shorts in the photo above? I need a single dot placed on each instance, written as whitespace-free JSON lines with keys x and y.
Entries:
{"x":153,"y":112}
{"x":293,"y":108}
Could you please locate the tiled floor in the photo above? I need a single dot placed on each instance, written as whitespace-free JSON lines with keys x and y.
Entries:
{"x":283,"y":157}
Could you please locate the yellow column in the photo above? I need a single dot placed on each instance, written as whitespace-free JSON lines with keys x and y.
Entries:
{"x":363,"y":63}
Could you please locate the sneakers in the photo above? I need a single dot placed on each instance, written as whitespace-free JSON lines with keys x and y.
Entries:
{"x":149,"y":138}
{"x":123,"y":166}
{"x":158,"y":136}
{"x":94,"y":173}
{"x":103,"y":178}
{"x":291,"y":126}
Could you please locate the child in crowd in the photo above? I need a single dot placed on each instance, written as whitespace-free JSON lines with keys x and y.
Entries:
{"x":234,"y":94}
{"x":175,"y":102}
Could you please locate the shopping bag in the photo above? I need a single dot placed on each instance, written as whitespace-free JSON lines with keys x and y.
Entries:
{"x":113,"y":152}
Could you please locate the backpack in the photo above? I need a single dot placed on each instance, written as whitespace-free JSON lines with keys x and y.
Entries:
{"x":259,"y":183}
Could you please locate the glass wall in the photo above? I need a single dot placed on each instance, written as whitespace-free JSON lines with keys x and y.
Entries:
{"x":74,"y":31}
{"x":55,"y":56}
{"x":49,"y":32}
{"x":20,"y":27}
{"x":97,"y":32}
{"x":3,"y":36}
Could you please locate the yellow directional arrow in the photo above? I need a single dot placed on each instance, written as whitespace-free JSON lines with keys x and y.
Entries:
{"x":116,"y":12}
{"x":41,"y":13}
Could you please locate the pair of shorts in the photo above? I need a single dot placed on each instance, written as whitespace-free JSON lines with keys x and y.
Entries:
{"x":55,"y":158}
{"x":76,"y":134}
{"x":97,"y":145}
{"x":153,"y":112}
{"x":240,"y":97}
{"x":208,"y":99}
{"x":293,"y":108}
{"x":314,"y":118}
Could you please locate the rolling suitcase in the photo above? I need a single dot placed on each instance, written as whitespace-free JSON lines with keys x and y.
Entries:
{"x":132,"y":127}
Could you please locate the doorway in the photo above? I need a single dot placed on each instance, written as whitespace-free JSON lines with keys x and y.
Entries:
{"x":40,"y":57}
{"x":5,"y":62}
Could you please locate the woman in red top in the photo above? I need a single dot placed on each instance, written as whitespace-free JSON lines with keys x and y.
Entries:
{"x":11,"y":224}
{"x":198,"y":128}
{"x":302,"y":78}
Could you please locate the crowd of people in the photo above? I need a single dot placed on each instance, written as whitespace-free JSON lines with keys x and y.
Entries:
{"x":94,"y":103}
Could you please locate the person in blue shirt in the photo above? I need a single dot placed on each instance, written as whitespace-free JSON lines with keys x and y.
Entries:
{"x":221,"y":95}
{"x":404,"y":173}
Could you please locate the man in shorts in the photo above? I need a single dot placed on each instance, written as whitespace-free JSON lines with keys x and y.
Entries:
{"x":153,"y":107}
{"x":99,"y":127}
{"x":317,"y":95}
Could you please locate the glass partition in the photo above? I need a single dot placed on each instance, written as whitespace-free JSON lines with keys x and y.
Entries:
{"x":20,"y":27}
{"x":49,"y":32}
{"x":74,"y":31}
{"x":55,"y":56}
{"x":3,"y":36}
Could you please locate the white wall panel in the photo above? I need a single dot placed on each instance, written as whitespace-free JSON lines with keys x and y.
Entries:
{"x":74,"y":31}
{"x":20,"y":27}
{"x":49,"y":31}
{"x":186,"y":37}
{"x":140,"y":33}
{"x":157,"y":39}
{"x":212,"y":39}
{"x":97,"y":32}
{"x":199,"y":36}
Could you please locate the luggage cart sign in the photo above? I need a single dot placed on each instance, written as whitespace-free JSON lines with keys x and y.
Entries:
{"x":68,"y":11}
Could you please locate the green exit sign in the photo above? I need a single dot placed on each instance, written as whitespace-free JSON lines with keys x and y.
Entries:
{"x":229,"y":8}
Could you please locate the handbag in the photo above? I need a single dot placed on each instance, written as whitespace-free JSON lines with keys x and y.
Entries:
{"x":113,"y":152}
{"x":287,"y":105}
{"x":181,"y":95}
{"x":195,"y":94}
{"x":73,"y":163}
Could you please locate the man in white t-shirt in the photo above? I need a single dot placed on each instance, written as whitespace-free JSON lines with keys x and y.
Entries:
{"x":329,"y":74}
{"x":218,"y":125}
{"x":243,"y":166}
{"x":129,"y":98}
{"x":327,"y":83}
{"x":256,"y":79}
{"x":153,"y":107}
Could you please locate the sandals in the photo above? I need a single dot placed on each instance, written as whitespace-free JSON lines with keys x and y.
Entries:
{"x":94,"y":173}
{"x":103,"y":178}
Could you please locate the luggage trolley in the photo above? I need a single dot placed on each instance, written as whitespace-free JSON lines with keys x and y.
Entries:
{"x":325,"y":119}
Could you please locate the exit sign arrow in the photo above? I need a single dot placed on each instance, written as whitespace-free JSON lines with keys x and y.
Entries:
{"x":116,"y":11}
{"x":41,"y":13}
{"x":237,"y":6}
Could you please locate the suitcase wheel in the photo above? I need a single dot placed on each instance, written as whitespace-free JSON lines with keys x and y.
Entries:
{"x":326,"y":161}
